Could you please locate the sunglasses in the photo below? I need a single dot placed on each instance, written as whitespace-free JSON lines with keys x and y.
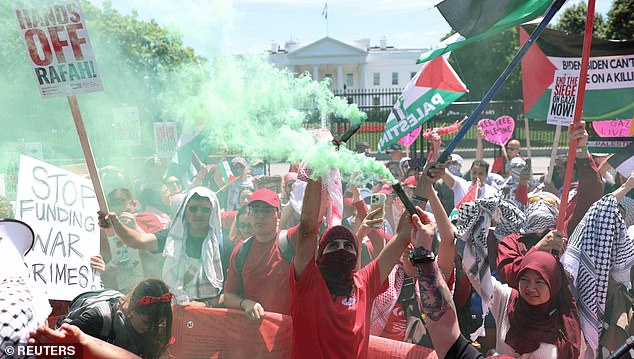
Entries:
{"x":512,"y":148}
{"x":199,"y":209}
{"x":538,"y":198}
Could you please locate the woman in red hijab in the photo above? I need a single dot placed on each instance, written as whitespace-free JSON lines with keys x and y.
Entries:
{"x":540,"y":320}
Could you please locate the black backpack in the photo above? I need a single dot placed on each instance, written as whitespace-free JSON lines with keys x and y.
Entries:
{"x":286,"y":250}
{"x":101,"y":300}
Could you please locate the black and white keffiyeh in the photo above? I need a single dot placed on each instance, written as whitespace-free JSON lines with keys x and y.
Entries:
{"x":474,"y":221}
{"x":599,"y":247}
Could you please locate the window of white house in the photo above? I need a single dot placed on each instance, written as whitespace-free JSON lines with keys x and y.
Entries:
{"x":394,"y":78}
{"x":349,"y":80}
{"x":377,"y":79}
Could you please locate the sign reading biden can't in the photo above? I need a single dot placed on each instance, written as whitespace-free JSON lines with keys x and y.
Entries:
{"x":58,"y":48}
{"x":61,"y":207}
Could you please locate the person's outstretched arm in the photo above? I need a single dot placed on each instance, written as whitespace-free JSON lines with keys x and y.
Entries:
{"x":131,"y":237}
{"x":309,"y":223}
{"x":437,"y":304}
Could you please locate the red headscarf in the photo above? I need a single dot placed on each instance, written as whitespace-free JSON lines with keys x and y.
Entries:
{"x":555,"y":322}
{"x":337,"y":267}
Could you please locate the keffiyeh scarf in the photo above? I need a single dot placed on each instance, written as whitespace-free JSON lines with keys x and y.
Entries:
{"x":385,"y":302}
{"x":474,"y":221}
{"x":207,"y":282}
{"x":599,"y":247}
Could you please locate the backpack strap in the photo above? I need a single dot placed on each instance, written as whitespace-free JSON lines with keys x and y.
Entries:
{"x":283,"y":244}
{"x":243,"y":251}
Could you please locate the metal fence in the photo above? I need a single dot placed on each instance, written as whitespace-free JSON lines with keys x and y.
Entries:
{"x":377,"y":104}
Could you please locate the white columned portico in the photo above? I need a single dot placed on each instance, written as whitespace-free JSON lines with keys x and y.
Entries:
{"x":316,"y":72}
{"x":339,"y":77}
{"x":362,"y":83}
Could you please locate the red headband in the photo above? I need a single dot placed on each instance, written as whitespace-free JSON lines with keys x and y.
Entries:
{"x":147,"y":300}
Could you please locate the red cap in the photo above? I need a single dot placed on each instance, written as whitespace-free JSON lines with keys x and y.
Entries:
{"x":267,"y":196}
{"x":410,"y":181}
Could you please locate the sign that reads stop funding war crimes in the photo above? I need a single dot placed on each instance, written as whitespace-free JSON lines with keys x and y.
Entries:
{"x":58,"y":48}
{"x":563,"y":98}
{"x":61,"y":207}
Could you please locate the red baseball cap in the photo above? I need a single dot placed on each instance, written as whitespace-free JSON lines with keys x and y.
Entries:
{"x":267,"y":196}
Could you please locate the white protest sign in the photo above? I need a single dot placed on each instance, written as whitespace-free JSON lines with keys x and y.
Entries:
{"x":58,"y":48}
{"x":126,"y":125}
{"x":61,"y":207}
{"x":563,"y":97}
{"x":165,"y":138}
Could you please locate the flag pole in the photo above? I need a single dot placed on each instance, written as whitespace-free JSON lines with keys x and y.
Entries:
{"x":500,"y":81}
{"x":572,"y":146}
{"x":90,"y":159}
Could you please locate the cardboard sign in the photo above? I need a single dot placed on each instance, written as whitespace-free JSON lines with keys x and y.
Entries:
{"x":58,"y":48}
{"x":126,"y":126}
{"x":614,"y":128}
{"x":498,"y":132}
{"x":274,"y":183}
{"x":563,"y":97}
{"x":165,"y":139}
{"x":61,"y":207}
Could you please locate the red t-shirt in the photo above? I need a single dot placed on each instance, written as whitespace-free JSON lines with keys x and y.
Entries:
{"x":499,"y":165}
{"x":327,"y":328}
{"x":396,"y":324}
{"x":264,"y":277}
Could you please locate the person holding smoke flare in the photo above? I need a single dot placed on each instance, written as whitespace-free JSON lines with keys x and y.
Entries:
{"x":330,"y":303}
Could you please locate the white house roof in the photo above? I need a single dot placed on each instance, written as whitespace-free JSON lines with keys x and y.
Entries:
{"x":327,"y":46}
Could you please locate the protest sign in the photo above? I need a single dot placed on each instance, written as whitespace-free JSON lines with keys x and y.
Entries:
{"x":126,"y":126}
{"x":58,"y":48}
{"x":614,"y":128}
{"x":165,"y":138}
{"x":62,"y":210}
{"x":274,"y":183}
{"x":563,"y":97}
{"x":610,"y":80}
{"x":623,"y":160}
{"x":497,"y":132}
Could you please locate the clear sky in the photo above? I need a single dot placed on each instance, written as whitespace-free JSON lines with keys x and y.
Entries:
{"x":249,"y":26}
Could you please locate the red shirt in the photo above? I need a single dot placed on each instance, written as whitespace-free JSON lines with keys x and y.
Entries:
{"x":396,"y":324}
{"x":327,"y":328}
{"x":264,"y":277}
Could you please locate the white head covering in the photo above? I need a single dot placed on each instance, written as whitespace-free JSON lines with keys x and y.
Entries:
{"x":16,"y":240}
{"x":628,"y":205}
{"x":209,"y":276}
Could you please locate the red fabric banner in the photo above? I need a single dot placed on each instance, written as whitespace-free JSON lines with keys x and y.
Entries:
{"x":226,"y":333}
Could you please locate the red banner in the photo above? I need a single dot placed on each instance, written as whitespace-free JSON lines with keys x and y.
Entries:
{"x":226,"y":333}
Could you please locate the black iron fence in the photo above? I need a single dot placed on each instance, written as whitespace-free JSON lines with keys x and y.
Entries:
{"x":377,"y":104}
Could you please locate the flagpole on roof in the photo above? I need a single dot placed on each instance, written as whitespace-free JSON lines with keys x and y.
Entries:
{"x":324,"y":13}
{"x":572,"y":146}
{"x":500,"y":81}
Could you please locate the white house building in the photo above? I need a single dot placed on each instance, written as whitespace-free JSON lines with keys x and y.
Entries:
{"x":350,"y":66}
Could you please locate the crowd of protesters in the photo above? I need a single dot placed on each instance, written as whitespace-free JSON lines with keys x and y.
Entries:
{"x":480,"y":270}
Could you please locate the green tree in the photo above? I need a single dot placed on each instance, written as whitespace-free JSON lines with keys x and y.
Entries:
{"x":621,"y":20}
{"x":480,"y":63}
{"x":573,"y":20}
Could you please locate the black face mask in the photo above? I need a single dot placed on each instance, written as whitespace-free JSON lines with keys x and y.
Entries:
{"x":337,"y":268}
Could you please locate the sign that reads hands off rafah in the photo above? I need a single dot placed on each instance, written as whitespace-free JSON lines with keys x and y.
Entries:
{"x":58,"y":47}
{"x":61,"y":207}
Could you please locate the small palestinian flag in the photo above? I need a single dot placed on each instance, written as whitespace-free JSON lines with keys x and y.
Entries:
{"x":610,"y":81}
{"x":432,"y":89}
{"x":623,"y":160}
{"x":471,"y":196}
{"x":476,"y":19}
{"x":227,"y":173}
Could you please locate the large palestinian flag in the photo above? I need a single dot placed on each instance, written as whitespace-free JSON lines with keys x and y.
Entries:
{"x":433,"y":88}
{"x":610,"y":82}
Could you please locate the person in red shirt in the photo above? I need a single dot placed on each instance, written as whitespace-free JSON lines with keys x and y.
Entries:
{"x":501,"y":165}
{"x":330,"y":303}
{"x":262,"y":283}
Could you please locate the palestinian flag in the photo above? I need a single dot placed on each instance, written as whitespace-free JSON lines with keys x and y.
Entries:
{"x":623,"y":160}
{"x":433,"y":88}
{"x":610,"y":81}
{"x":227,"y":173}
{"x":470,"y":196}
{"x":476,"y":19}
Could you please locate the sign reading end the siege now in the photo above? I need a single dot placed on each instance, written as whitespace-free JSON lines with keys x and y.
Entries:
{"x":563,"y":97}
{"x":58,"y":48}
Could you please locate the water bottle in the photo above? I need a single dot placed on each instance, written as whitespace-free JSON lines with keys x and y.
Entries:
{"x":181,"y":297}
